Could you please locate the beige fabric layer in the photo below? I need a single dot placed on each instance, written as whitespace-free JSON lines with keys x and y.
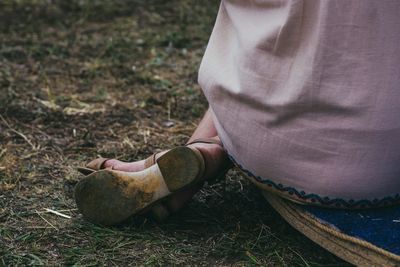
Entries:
{"x":307,"y":93}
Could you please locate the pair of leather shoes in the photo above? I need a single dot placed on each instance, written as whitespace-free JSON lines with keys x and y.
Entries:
{"x":107,"y":197}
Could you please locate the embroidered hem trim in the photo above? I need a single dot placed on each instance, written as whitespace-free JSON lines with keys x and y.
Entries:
{"x":315,"y":199}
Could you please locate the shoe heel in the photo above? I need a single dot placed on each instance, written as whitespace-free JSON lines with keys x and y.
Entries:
{"x":110,"y":197}
{"x":160,"y":212}
{"x":181,"y":167}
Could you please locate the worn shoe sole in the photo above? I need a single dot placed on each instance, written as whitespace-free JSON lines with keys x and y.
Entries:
{"x":109,"y":197}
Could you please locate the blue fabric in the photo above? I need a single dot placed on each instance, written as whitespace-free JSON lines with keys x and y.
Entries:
{"x":380,"y":226}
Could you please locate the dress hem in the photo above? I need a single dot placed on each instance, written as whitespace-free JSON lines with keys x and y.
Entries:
{"x":296,"y":195}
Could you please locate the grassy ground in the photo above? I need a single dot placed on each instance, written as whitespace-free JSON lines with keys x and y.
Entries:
{"x":117,"y":78}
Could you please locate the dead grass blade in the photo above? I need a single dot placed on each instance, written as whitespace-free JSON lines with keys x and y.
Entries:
{"x":19,"y":133}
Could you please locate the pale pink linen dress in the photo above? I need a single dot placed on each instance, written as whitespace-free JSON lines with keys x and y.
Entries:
{"x":306,"y":96}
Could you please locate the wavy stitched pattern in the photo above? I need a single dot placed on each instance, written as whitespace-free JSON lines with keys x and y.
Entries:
{"x":323,"y":200}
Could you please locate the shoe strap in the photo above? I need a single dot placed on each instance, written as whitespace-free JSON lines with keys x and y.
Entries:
{"x":205,"y":141}
{"x":97,"y":164}
{"x":150,"y":161}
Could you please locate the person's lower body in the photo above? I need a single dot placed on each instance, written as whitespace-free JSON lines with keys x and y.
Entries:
{"x":215,"y":161}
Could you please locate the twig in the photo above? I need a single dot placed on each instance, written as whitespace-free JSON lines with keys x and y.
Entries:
{"x":58,"y":213}
{"x":38,"y":227}
{"x":49,"y":223}
{"x":19,"y":133}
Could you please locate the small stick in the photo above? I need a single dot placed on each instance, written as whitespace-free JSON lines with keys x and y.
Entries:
{"x":19,"y":133}
{"x":38,"y":227}
{"x":58,"y":213}
{"x":46,"y":220}
{"x":60,"y":210}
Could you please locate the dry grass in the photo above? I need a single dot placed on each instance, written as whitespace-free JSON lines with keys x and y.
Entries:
{"x":118,"y":79}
